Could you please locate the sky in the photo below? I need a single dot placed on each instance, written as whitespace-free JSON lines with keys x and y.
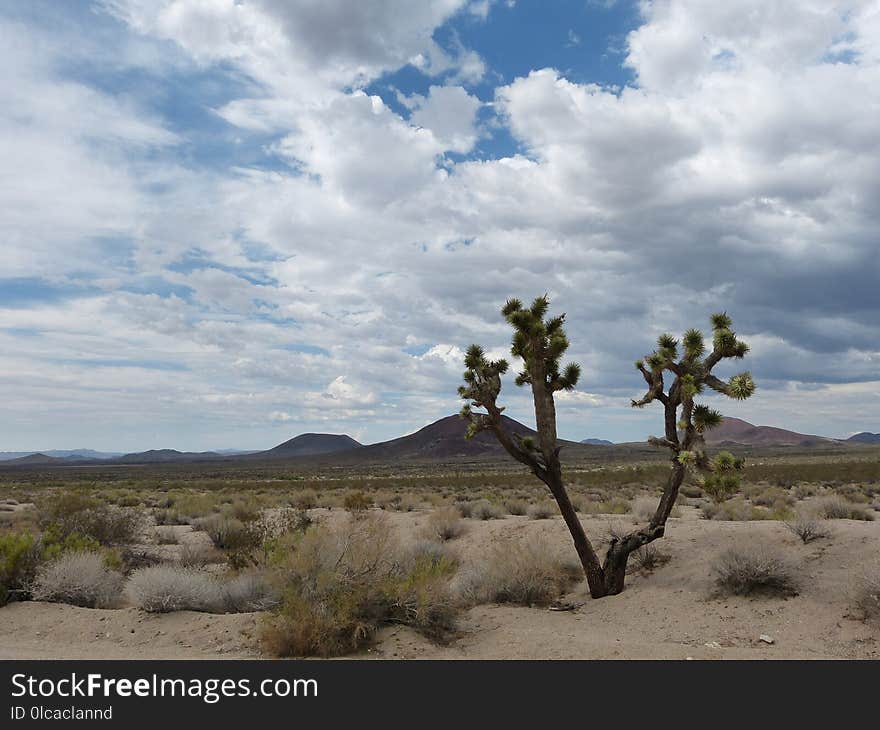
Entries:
{"x":227,"y":222}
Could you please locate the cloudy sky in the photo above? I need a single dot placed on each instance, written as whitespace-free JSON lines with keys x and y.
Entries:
{"x":226,"y":222}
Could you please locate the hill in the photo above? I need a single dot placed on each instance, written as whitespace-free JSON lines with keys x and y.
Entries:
{"x":38,"y":458}
{"x":865,"y":437}
{"x":443,"y":440}
{"x":737,"y":431}
{"x":155,"y":456}
{"x":597,"y":442}
{"x":312,"y":444}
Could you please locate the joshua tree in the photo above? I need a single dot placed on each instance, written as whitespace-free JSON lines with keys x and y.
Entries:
{"x":541,"y":343}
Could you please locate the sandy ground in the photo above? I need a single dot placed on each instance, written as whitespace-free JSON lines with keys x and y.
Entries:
{"x":669,"y":614}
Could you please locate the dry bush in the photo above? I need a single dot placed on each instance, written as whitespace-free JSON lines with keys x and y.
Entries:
{"x":838,"y":508}
{"x":167,"y":536}
{"x":79,"y":579}
{"x":693,"y":491}
{"x":340,"y":584}
{"x":357,"y":501}
{"x":20,"y":555}
{"x":733,"y":510}
{"x":643,"y":508}
{"x":70,"y":513}
{"x":517,"y":507}
{"x":191,"y":506}
{"x":165,"y":588}
{"x":241,"y":510}
{"x":305,"y":499}
{"x":404,"y":503}
{"x":648,"y":558}
{"x":525,"y":572}
{"x":754,"y":568}
{"x":772,"y":497}
{"x":543,"y":511}
{"x":613,"y":506}
{"x":483,"y":509}
{"x":228,"y":533}
{"x":444,"y":524}
{"x":247,"y":592}
{"x":807,"y":526}
{"x":867,"y":593}
{"x":197,"y":555}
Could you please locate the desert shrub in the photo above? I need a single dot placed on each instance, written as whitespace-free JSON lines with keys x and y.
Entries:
{"x":193,"y":506}
{"x":20,"y":555}
{"x":613,"y":506}
{"x":483,"y":509}
{"x":71,"y":512}
{"x":773,"y":497}
{"x":53,"y":543}
{"x":196,"y":555}
{"x":643,"y":508}
{"x":648,"y":558}
{"x":79,"y":579}
{"x":802,"y":491}
{"x":852,"y":493}
{"x":167,"y":536}
{"x":429,"y":551}
{"x":517,"y":507}
{"x":867,"y":593}
{"x":542,"y":511}
{"x":736,"y":510}
{"x":306,"y":499}
{"x":754,"y":568}
{"x":242,"y":510}
{"x":525,"y":572}
{"x":807,"y":526}
{"x":444,"y":524}
{"x":339,"y":584}
{"x":357,"y":501}
{"x":407,"y":503}
{"x":248,"y":591}
{"x":166,"y":588}
{"x":691,"y":490}
{"x":133,"y":558}
{"x":837,"y":508}
{"x":237,"y":538}
{"x":167,"y":516}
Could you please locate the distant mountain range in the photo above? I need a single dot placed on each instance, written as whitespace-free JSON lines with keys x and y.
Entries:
{"x":442,"y":440}
{"x":61,"y":454}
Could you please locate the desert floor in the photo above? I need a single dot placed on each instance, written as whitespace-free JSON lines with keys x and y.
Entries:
{"x":668,"y":614}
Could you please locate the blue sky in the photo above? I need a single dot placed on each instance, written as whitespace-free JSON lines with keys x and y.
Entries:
{"x":226,"y":222}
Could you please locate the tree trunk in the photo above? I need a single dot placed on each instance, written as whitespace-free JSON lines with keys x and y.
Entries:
{"x":583,"y":546}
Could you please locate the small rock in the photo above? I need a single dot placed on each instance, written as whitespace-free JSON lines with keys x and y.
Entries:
{"x":766,"y":639}
{"x":712,"y":644}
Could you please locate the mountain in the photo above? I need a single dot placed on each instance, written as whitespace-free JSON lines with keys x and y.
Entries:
{"x":597,"y":442}
{"x":61,"y":454}
{"x":737,"y":431}
{"x":37,"y":458}
{"x":312,"y":444}
{"x":865,"y":437}
{"x":154,"y":456}
{"x":442,"y":440}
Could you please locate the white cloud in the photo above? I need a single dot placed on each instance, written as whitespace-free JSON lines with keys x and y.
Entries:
{"x":741,"y":173}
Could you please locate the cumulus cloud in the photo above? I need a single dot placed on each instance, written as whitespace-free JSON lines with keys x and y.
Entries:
{"x":738,"y":172}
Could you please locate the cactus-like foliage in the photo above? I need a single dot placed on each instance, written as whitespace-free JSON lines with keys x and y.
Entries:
{"x":686,"y":421}
{"x":540,"y":342}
